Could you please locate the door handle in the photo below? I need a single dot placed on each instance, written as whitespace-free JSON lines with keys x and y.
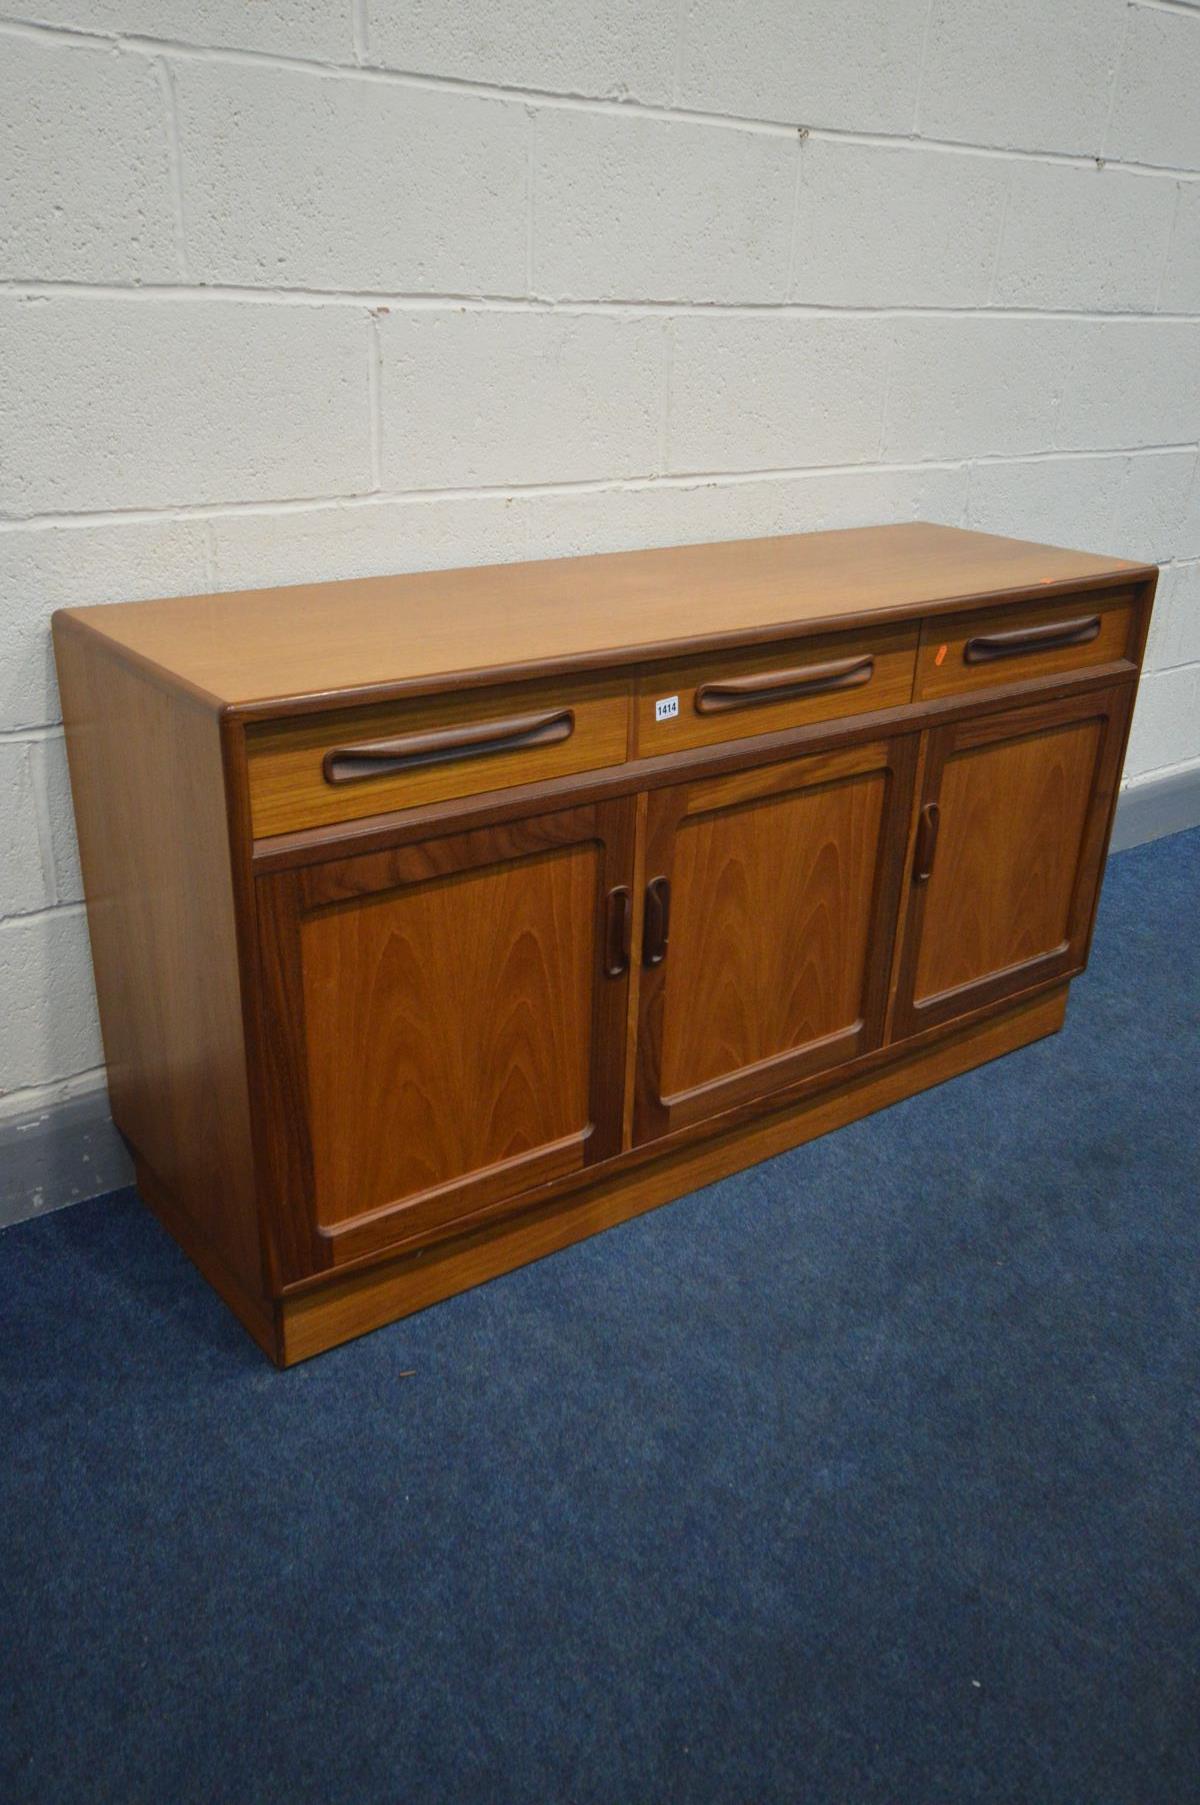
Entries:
{"x":986,"y":646}
{"x":927,"y":836}
{"x":618,"y":931}
{"x":658,"y":921}
{"x":782,"y":686}
{"x":375,"y":758}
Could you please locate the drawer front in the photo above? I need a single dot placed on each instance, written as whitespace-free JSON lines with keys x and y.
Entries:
{"x":1036,"y":639}
{"x":732,"y":695}
{"x":317,"y":770}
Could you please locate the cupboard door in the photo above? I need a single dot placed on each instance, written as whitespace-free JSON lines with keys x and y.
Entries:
{"x":769,"y":914}
{"x":1010,"y":839}
{"x":447,"y":1026}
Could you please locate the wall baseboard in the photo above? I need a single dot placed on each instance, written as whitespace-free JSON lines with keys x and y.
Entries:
{"x":61,"y":1153}
{"x":67,"y":1152}
{"x":1164,"y":805}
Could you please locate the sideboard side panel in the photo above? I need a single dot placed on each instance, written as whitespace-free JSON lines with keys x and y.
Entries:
{"x":149,"y":791}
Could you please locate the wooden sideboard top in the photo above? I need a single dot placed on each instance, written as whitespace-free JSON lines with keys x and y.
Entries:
{"x":272,"y":650}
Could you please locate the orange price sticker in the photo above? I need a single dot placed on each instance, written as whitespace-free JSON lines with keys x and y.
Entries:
{"x":940,"y":654}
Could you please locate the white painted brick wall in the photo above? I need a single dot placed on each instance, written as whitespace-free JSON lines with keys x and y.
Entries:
{"x":25,"y":884}
{"x":298,"y":179}
{"x":762,"y":390}
{"x":1175,"y":630}
{"x":294,"y":28}
{"x":295,"y":290}
{"x":1025,"y":75}
{"x":1181,"y":278}
{"x":87,"y":187}
{"x":110,"y":405}
{"x":624,"y":49}
{"x":896,"y":226}
{"x":1155,"y":117}
{"x":1078,"y":237}
{"x":477,"y":397}
{"x":662,"y":209}
{"x":51,"y":1032}
{"x":67,"y":566}
{"x":855,"y":66}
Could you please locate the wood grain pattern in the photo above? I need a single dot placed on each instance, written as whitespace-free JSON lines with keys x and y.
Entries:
{"x":784,"y":883}
{"x":943,"y":670}
{"x":446,"y":1034}
{"x":374,"y":832}
{"x":1000,"y":893}
{"x":769,"y":928}
{"x":314,"y":644}
{"x":148,"y":787}
{"x":1025,"y":803}
{"x":893,"y":650}
{"x":288,"y":790}
{"x":356,"y":1303}
{"x":372,"y":1054}
{"x":449,"y":1028}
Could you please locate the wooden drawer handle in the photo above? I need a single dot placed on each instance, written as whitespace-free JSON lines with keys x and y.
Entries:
{"x":658,"y":921}
{"x":618,"y":931}
{"x":927,"y":836}
{"x":377,"y":758}
{"x":987,"y":646}
{"x":781,"y":686}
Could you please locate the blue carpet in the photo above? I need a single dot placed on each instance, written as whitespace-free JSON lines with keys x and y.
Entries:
{"x":872,"y":1474}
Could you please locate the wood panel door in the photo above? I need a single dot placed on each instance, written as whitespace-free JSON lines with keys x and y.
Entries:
{"x":1011,"y":831}
{"x":769,"y":915}
{"x":446,"y":1026}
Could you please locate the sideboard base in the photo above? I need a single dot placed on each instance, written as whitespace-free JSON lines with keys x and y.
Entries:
{"x":339,"y":1309}
{"x":259,"y":1316}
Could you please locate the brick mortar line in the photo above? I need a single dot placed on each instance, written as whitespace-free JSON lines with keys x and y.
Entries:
{"x":45,"y":827}
{"x":1157,"y":772}
{"x":360,"y":32}
{"x":177,"y":49}
{"x":1169,"y":247}
{"x":1115,"y":88}
{"x":680,"y":47}
{"x":375,"y":399}
{"x":676,"y":479}
{"x":667,"y":377}
{"x":889,"y":370}
{"x":209,"y":546}
{"x":920,"y":93}
{"x":42,"y":289}
{"x":28,"y":915}
{"x":794,"y":235}
{"x":166,"y":84}
{"x":531,"y":164}
{"x":32,"y":736}
{"x":50,"y":1092}
{"x":998,"y":250}
{"x":1166,"y":6}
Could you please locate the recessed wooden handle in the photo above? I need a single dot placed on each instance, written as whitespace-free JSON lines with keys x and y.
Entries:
{"x":658,"y":921}
{"x":379,"y":758}
{"x":781,"y":686}
{"x":986,"y":646}
{"x":927,"y":834}
{"x":618,"y":931}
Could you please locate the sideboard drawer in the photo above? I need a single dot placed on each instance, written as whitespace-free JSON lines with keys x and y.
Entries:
{"x":317,"y":770}
{"x":1038,"y":639}
{"x":731,"y":695}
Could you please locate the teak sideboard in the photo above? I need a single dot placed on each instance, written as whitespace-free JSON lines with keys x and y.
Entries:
{"x":439,"y":921}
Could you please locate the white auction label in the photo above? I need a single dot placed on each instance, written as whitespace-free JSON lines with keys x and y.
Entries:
{"x":666,"y":709}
